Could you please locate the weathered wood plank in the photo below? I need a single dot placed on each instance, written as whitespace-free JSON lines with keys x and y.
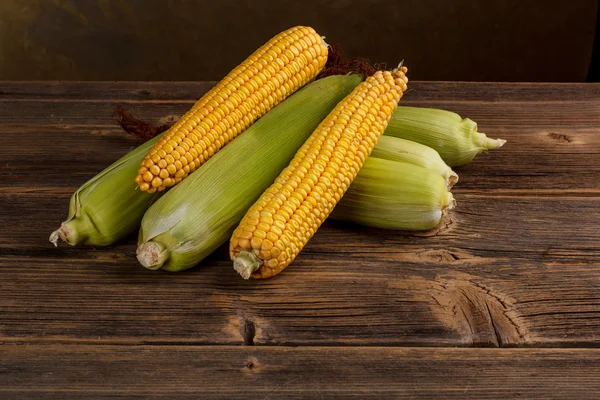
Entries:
{"x":102,"y":297}
{"x":500,"y":272}
{"x":527,"y":227}
{"x":534,"y":160}
{"x":541,"y":114}
{"x":552,"y":130}
{"x":250,"y":372}
{"x":515,"y":265}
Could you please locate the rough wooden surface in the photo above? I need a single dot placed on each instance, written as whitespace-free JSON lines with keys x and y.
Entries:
{"x":516,"y":265}
{"x":226,"y":372}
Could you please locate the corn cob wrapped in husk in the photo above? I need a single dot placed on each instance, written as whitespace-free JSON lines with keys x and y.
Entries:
{"x":395,"y":195}
{"x":108,"y":207}
{"x":200,"y":213}
{"x":282,"y":221}
{"x":273,"y":72}
{"x":455,"y":139}
{"x":399,"y":187}
{"x":407,"y":151}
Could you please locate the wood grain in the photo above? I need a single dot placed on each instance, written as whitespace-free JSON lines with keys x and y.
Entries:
{"x":552,"y":130}
{"x":452,"y":288}
{"x":186,"y":372}
{"x":515,"y":266}
{"x":77,"y":153}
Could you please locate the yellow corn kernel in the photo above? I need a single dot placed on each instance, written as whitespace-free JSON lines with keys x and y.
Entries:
{"x":317,"y":177}
{"x":273,"y":72}
{"x":173,"y":234}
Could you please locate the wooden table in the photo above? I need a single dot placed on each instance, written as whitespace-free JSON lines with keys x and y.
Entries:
{"x":502,"y":301}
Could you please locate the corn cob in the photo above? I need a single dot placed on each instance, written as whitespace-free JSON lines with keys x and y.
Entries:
{"x":282,"y":221}
{"x":454,"y":138}
{"x":395,"y":149}
{"x":395,"y":195}
{"x":272,"y":73}
{"x":198,"y":215}
{"x":107,"y":207}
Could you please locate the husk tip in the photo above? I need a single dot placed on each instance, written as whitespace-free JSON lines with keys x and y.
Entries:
{"x":246,"y":263}
{"x":493,"y":143}
{"x":63,"y":233}
{"x":151,"y":255}
{"x":54,"y":238}
{"x":451,"y":179}
{"x":450,"y":201}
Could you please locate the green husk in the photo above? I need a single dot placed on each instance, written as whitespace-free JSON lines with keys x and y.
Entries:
{"x":455,"y":139}
{"x":201,"y":212}
{"x":109,"y":206}
{"x":395,"y":195}
{"x":402,"y":150}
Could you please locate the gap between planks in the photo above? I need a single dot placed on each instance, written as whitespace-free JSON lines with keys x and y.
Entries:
{"x":203,"y":344}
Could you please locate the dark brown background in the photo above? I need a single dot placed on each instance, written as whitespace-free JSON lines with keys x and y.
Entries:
{"x":494,"y":40}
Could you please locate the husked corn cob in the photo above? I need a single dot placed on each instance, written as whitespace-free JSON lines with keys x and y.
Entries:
{"x":198,"y":215}
{"x":396,"y":149}
{"x":272,"y":73}
{"x":395,"y":195}
{"x":456,"y":139}
{"x":278,"y":226}
{"x":107,"y":207}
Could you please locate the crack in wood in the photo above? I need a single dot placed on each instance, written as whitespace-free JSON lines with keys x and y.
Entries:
{"x":520,"y":329}
{"x":248,"y":331}
{"x":560,"y":137}
{"x":246,"y":327}
{"x":483,"y":315}
{"x":446,"y":256}
{"x":496,"y":333}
